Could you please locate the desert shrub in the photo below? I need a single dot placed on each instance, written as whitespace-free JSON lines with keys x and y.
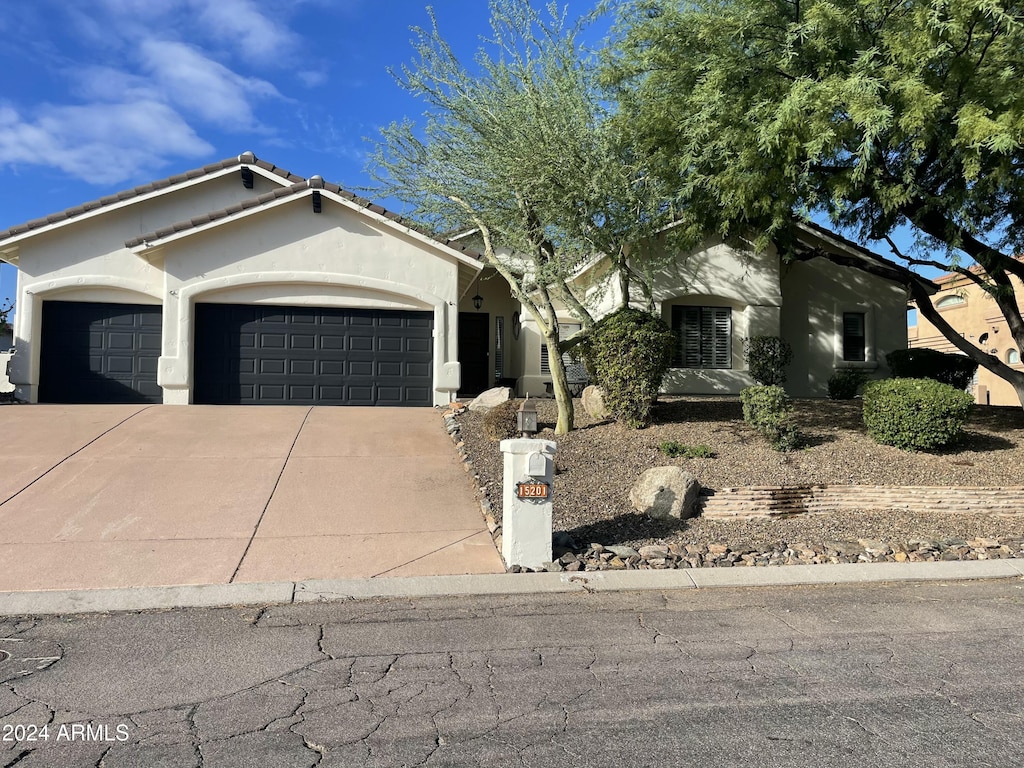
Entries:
{"x":915,"y":414}
{"x":767,"y":358}
{"x":500,"y":422}
{"x":921,"y":363}
{"x":769,"y":410}
{"x":674,"y":450}
{"x":845,"y":383}
{"x":628,"y":353}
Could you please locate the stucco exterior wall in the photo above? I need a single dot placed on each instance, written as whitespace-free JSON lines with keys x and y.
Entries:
{"x":290,"y":255}
{"x":816,"y":293}
{"x":979,"y":320}
{"x":85,"y":260}
{"x":282,"y":253}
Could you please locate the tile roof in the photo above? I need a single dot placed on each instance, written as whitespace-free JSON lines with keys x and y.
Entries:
{"x":315,"y":183}
{"x":246,"y":158}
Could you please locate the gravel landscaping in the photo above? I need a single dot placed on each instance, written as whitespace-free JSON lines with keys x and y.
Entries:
{"x":598,"y":462}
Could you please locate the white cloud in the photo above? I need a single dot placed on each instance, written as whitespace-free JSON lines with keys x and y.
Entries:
{"x":200,"y":85}
{"x":311,"y":78}
{"x":100,"y":143}
{"x":241,"y":23}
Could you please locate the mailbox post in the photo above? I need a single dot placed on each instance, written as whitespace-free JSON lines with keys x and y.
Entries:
{"x":526,"y":520}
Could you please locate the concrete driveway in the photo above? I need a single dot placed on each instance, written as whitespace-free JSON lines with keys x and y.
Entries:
{"x":122,"y":496}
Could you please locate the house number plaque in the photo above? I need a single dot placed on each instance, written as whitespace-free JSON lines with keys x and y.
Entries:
{"x":533,"y":490}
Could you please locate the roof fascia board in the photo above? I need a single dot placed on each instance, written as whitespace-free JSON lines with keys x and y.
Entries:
{"x":103,"y":209}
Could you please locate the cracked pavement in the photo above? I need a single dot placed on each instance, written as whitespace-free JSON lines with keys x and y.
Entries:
{"x":822,"y":676}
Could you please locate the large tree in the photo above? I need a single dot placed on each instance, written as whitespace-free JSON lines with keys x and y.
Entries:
{"x":517,"y":146}
{"x":886,"y":115}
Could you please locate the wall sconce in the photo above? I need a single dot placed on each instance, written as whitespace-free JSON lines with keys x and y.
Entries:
{"x":478,"y":300}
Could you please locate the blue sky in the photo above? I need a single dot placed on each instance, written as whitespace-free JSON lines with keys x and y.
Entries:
{"x":103,"y":95}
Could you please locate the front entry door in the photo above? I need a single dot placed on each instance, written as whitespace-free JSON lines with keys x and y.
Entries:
{"x":473,"y":352}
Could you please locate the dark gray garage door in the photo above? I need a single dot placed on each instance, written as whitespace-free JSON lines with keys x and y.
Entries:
{"x":312,"y":356}
{"x":99,"y":353}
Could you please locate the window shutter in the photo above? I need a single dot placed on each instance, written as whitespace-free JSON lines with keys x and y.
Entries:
{"x":721,"y":345}
{"x":564,"y":330}
{"x":853,"y":336}
{"x":499,"y":347}
{"x":691,"y":337}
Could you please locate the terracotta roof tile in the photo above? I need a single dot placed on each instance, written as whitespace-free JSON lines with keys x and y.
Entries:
{"x":246,"y":158}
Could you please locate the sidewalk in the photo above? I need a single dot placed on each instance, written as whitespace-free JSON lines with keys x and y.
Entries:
{"x":277,"y":593}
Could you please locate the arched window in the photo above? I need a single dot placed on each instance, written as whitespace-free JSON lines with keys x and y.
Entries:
{"x":950,"y":301}
{"x":1012,"y":357}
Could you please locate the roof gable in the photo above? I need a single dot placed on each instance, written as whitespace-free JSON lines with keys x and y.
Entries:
{"x":145,"y":192}
{"x":313,"y":186}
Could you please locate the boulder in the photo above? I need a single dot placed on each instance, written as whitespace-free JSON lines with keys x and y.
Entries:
{"x":593,"y":402}
{"x":664,"y":492}
{"x":492,"y":397}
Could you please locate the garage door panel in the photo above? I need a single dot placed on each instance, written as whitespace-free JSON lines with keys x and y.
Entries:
{"x":310,"y":355}
{"x":93,"y":352}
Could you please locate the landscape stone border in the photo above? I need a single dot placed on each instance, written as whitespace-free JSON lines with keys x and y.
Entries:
{"x":785,"y":501}
{"x":781,"y":501}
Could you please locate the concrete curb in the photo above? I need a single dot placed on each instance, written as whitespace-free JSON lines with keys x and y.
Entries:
{"x":312,"y":591}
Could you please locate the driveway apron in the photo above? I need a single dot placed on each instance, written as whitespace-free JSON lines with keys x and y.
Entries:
{"x":121,"y":496}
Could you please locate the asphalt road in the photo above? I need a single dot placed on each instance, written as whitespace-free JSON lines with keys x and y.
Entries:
{"x":927,"y":674}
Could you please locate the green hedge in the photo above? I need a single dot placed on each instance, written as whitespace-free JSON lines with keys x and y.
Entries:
{"x":915,"y":414}
{"x":628,"y":353}
{"x":767,"y":358}
{"x":769,"y":410}
{"x":845,"y":383}
{"x":922,"y":363}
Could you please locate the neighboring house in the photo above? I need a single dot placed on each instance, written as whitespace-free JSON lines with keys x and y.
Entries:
{"x":973,"y":313}
{"x":242,"y":283}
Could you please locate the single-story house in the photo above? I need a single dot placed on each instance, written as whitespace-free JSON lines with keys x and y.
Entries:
{"x":240,"y":282}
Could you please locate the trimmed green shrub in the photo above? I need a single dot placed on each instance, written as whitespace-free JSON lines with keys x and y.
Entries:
{"x":921,"y":363}
{"x":500,"y":422}
{"x":769,"y":410}
{"x":674,"y":450}
{"x":915,"y":414}
{"x":845,"y":383}
{"x":767,"y":358}
{"x":628,"y":353}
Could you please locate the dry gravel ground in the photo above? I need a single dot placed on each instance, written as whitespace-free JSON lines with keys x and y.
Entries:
{"x":598,"y":462}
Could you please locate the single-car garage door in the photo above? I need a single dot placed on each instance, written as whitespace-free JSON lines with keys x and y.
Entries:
{"x":99,"y":353}
{"x":255,"y":354}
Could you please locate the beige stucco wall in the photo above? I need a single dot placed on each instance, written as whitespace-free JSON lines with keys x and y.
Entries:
{"x":85,"y":259}
{"x":816,"y":293}
{"x":283,"y":253}
{"x":978,"y":315}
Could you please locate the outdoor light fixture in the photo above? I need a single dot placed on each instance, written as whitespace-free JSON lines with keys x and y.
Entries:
{"x":526,"y":418}
{"x":478,"y":300}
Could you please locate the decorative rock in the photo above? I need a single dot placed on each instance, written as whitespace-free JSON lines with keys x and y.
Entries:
{"x":665,"y":492}
{"x":593,"y":402}
{"x":623,"y":552}
{"x":653,"y":552}
{"x":492,"y":397}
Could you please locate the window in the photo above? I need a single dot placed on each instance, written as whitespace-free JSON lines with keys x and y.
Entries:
{"x":705,"y":337}
{"x":499,"y":347}
{"x":911,"y":318}
{"x":565,"y":330}
{"x":950,"y":301}
{"x":1012,"y":357}
{"x":853,"y":337}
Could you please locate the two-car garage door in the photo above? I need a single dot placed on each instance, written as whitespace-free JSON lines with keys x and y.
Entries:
{"x":312,"y":355}
{"x":104,"y":353}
